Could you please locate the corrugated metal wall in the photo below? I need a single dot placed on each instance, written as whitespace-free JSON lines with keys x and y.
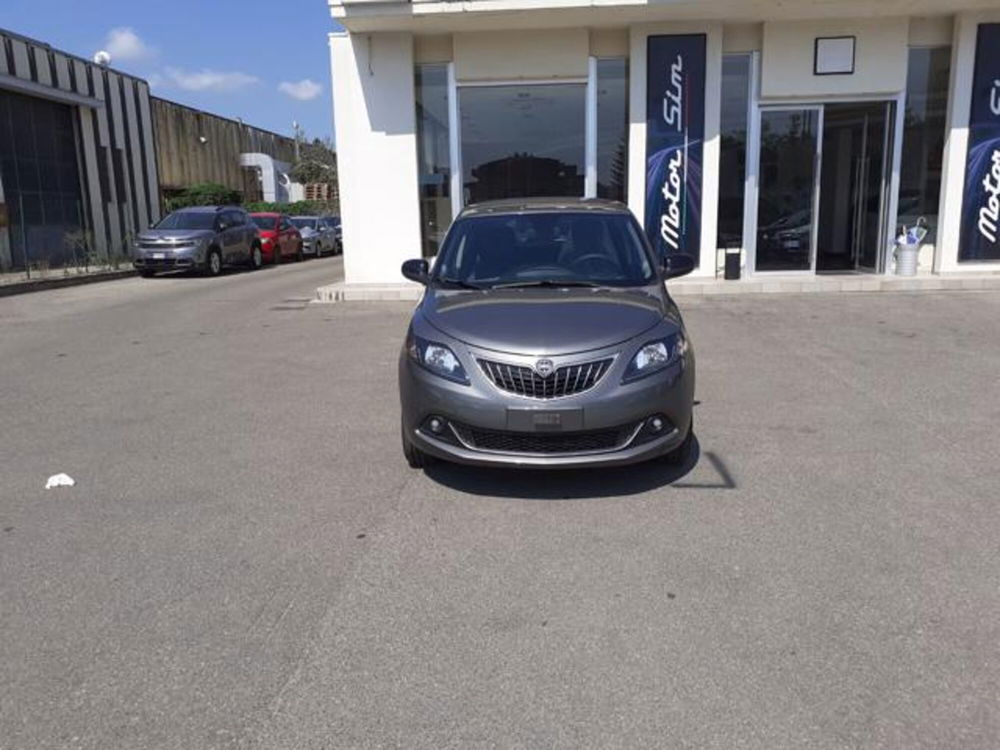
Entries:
{"x":118,"y":165}
{"x":193,"y":147}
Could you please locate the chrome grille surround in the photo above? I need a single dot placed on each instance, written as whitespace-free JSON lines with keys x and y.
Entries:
{"x":582,"y":443}
{"x":565,"y":380}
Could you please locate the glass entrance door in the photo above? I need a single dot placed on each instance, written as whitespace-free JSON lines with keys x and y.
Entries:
{"x":787,"y":188}
{"x":853,"y":186}
{"x":823,"y":180}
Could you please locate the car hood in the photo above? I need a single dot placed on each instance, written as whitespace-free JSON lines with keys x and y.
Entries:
{"x":307,"y":231}
{"x":174,"y":235}
{"x":543,"y":321}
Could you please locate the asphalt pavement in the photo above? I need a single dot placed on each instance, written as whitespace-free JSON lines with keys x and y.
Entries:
{"x":247,"y":561}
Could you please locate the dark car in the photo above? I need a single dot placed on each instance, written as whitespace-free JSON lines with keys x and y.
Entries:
{"x":207,"y":238}
{"x":546,"y":338}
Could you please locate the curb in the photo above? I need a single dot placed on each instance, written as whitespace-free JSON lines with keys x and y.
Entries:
{"x":40,"y":285}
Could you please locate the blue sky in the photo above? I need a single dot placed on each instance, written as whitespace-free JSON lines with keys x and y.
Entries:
{"x":266,"y":62}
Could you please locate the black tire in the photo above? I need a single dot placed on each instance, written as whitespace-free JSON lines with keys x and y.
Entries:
{"x":256,"y":258}
{"x":679,"y":455}
{"x":415,"y":457}
{"x":299,"y":255}
{"x":276,"y":254}
{"x":213,"y":263}
{"x":147,"y":274}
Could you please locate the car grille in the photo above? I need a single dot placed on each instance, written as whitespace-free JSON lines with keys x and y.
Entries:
{"x":546,"y":443}
{"x":565,"y":381}
{"x":145,"y":245}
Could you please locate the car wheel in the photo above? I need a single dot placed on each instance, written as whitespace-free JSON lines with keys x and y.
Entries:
{"x":214,"y":265}
{"x":256,"y":258}
{"x":299,"y":256}
{"x":147,"y":274}
{"x":415,"y":457}
{"x":679,"y":455}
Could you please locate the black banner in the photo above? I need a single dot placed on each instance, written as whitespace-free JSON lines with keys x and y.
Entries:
{"x":980,"y":230}
{"x":675,"y":134}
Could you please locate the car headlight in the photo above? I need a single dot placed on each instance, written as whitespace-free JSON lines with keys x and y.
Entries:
{"x":655,"y":356}
{"x":436,"y":358}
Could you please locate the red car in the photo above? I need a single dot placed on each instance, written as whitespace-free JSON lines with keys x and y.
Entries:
{"x":279,"y":239}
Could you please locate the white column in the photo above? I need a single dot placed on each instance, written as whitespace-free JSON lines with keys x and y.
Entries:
{"x":375,"y":118}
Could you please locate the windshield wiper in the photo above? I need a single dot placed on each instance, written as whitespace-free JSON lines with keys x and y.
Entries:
{"x":457,"y":282}
{"x":551,"y":283}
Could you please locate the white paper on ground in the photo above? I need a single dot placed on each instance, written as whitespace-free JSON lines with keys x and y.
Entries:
{"x":60,"y":480}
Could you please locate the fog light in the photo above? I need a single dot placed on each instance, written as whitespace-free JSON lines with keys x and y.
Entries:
{"x":656,"y":424}
{"x":435,"y":425}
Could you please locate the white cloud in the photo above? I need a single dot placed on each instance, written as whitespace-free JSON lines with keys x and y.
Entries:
{"x":303,"y":90}
{"x":208,"y":80}
{"x":124,"y":44}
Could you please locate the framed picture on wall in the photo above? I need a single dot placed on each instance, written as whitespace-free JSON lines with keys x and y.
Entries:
{"x":834,"y":55}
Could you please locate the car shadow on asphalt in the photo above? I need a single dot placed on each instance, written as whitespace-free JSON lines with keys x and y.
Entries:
{"x":583,"y":484}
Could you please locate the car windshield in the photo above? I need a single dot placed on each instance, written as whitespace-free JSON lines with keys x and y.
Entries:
{"x":264,"y":222}
{"x":187,"y":220}
{"x":304,"y":223}
{"x":544,"y":249}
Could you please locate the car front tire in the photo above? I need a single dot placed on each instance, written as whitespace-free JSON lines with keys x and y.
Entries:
{"x":679,"y":455}
{"x":213,"y":264}
{"x":256,"y":258}
{"x":415,"y":457}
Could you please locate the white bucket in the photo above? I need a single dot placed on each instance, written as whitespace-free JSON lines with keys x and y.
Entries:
{"x":906,"y":259}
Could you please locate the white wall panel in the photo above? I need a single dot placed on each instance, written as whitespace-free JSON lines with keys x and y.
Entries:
{"x":374,"y":112}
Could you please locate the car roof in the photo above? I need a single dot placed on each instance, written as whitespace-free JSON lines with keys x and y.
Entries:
{"x":265,"y":213}
{"x":307,"y":217}
{"x":546,"y":205}
{"x":207,"y":209}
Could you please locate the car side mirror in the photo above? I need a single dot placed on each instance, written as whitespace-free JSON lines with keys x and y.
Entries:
{"x":416,"y":270}
{"x":677,"y":264}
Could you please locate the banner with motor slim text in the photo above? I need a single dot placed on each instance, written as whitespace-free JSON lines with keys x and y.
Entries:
{"x":675,"y":133}
{"x":980,"y":233}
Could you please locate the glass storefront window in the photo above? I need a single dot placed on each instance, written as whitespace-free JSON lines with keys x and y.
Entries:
{"x":923,"y":136}
{"x":522,"y":140}
{"x":733,"y":150}
{"x":612,"y":128}
{"x":433,"y":160}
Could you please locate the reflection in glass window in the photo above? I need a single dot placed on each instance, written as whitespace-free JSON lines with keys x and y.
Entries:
{"x":733,"y":151}
{"x":612,"y":128}
{"x":521,"y":141}
{"x":923,"y":136}
{"x":433,"y":159}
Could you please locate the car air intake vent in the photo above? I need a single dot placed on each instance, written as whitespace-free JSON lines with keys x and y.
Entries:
{"x":546,"y":443}
{"x":564,"y":381}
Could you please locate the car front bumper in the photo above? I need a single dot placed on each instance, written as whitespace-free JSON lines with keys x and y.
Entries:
{"x":167,"y":260}
{"x":482,"y":407}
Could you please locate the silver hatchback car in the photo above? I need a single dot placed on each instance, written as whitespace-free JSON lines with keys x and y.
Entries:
{"x":546,"y":338}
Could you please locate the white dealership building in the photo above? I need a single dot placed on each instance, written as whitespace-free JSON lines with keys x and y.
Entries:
{"x":793,"y":138}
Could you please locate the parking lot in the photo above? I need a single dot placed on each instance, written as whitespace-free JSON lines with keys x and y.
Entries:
{"x":246,"y":560}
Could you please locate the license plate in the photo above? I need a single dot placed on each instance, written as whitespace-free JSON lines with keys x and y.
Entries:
{"x":159,"y":256}
{"x":544,"y":420}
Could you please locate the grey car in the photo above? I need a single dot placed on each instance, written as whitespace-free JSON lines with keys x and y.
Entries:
{"x":318,"y":236}
{"x":206,"y":238}
{"x":545,"y":337}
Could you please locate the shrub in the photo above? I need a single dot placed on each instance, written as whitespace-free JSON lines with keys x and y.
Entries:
{"x":299,"y":208}
{"x":205,"y":194}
